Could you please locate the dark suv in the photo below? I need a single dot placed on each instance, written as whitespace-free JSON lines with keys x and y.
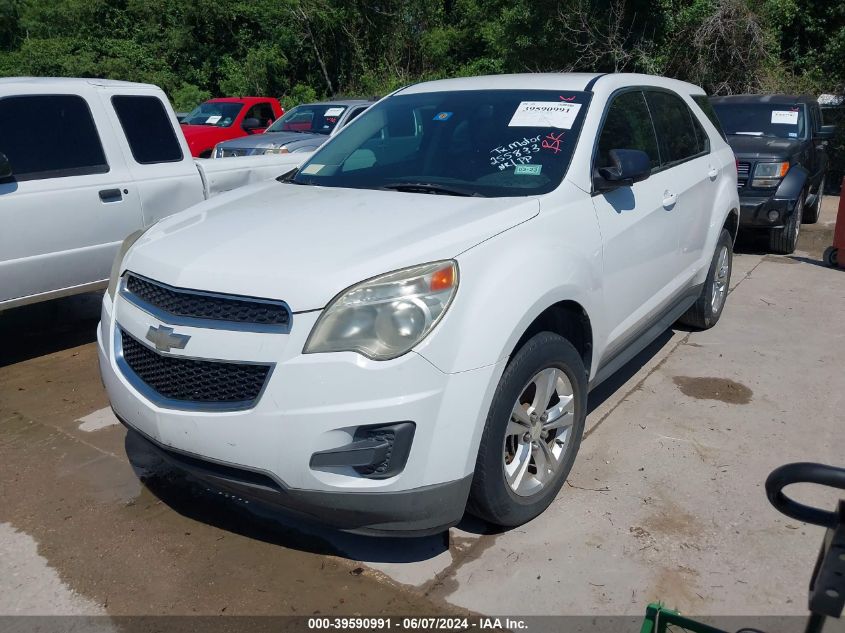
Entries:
{"x":779,"y":142}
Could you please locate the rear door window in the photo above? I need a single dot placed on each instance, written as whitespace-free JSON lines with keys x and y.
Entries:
{"x":679,"y":134}
{"x":50,"y":136}
{"x":703,"y":102}
{"x":627,"y":126}
{"x":148,"y":129}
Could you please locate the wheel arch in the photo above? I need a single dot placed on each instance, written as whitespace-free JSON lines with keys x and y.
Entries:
{"x":568,"y":319}
{"x":792,"y":186}
{"x":732,"y":223}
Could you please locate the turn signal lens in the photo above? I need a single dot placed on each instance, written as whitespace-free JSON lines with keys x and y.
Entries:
{"x":443,"y":279}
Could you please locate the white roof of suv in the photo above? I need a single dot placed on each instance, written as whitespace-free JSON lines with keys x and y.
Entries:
{"x":551,"y":81}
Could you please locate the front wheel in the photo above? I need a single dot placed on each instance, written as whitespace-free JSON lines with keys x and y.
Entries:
{"x":812,"y":213}
{"x":532,"y":433}
{"x":785,"y":239}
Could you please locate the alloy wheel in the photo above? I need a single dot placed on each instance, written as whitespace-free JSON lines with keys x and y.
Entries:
{"x":721,"y":277}
{"x":539,"y":431}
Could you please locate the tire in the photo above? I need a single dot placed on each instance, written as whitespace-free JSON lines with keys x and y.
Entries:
{"x":812,"y":213}
{"x":831,"y":256}
{"x":784,"y":240}
{"x":499,"y":494}
{"x":707,"y":309}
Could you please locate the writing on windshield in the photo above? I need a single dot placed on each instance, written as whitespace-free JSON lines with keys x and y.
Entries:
{"x":468,"y":142}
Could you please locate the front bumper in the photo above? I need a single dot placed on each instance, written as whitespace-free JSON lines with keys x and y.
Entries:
{"x":418,"y":512}
{"x":312,"y":404}
{"x":754,"y":211}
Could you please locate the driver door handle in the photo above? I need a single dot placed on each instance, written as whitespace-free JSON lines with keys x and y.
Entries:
{"x":110,"y":195}
{"x":669,"y":199}
{"x":713,"y":173}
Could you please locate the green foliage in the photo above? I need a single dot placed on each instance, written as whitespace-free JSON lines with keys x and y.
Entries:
{"x":296,"y":49}
{"x":188,"y":96}
{"x":300,"y":93}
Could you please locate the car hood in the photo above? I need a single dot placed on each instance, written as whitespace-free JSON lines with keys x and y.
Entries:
{"x":304,"y":244}
{"x":756,"y":147}
{"x":271,"y":139}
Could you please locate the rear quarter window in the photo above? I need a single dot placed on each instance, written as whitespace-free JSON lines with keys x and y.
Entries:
{"x":148,"y":129}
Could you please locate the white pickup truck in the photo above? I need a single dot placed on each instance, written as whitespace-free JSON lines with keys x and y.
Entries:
{"x":83,"y":164}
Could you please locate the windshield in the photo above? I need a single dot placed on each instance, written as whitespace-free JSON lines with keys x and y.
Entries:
{"x":216,"y":113}
{"x":761,"y":119}
{"x":314,"y":118}
{"x":469,"y":142}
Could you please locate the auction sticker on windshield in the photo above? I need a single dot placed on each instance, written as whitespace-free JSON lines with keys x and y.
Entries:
{"x":785,"y":117}
{"x":545,"y":114}
{"x":334,"y":112}
{"x":213,"y":119}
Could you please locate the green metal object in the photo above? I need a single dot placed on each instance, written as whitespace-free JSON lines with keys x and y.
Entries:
{"x":658,"y":618}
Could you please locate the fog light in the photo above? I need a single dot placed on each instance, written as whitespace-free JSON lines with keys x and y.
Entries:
{"x":774,"y":216}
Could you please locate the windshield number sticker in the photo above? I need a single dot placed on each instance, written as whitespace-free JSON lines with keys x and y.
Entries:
{"x":310,"y":170}
{"x":528,"y":170}
{"x":333,"y":112}
{"x":560,"y":115}
{"x":785,"y":117}
{"x":213,"y":119}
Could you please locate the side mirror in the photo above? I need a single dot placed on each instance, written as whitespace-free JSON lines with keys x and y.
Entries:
{"x":5,"y":167}
{"x":251,"y":124}
{"x":826,"y":132}
{"x":629,"y":166}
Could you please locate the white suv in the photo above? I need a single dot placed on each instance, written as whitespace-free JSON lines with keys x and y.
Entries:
{"x":409,"y":325}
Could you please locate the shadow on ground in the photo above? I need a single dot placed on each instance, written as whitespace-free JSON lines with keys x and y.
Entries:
{"x":51,"y":326}
{"x":197,"y":501}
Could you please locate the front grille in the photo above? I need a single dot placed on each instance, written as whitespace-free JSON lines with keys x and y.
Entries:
{"x":742,"y":172}
{"x":194,"y":381}
{"x":201,"y":305}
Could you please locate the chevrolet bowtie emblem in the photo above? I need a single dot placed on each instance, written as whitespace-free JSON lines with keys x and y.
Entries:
{"x":165,"y":340}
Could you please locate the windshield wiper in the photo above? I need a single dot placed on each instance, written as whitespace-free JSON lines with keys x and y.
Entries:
{"x":427,"y":187}
{"x":288,"y":177}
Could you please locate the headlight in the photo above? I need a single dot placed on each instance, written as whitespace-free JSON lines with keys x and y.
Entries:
{"x":276,"y":150}
{"x":386,"y":316}
{"x":218,"y":152}
{"x":769,"y":174}
{"x":118,"y":260}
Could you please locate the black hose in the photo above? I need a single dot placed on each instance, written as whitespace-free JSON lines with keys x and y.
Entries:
{"x":804,"y":472}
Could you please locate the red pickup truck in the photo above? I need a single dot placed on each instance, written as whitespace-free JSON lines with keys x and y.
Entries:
{"x":226,"y":118}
